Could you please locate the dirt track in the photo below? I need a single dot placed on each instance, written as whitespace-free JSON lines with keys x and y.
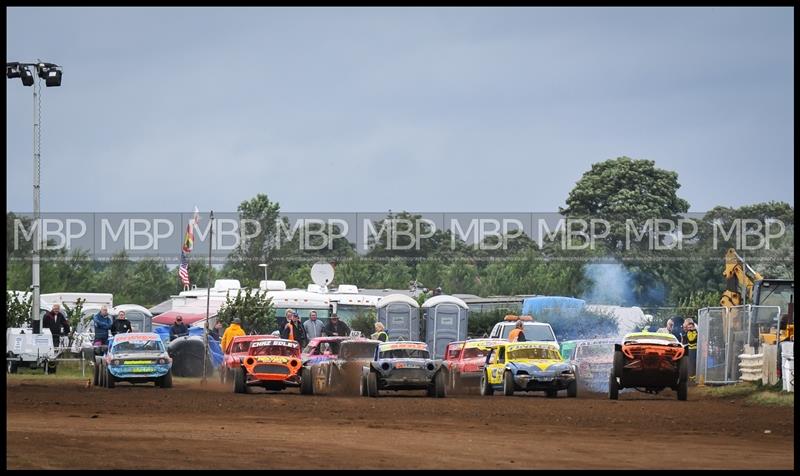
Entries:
{"x":190,"y":426}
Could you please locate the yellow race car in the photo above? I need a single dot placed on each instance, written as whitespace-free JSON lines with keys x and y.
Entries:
{"x":527,"y":366}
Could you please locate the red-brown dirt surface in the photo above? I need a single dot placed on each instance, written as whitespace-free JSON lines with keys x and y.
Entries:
{"x":62,"y":423}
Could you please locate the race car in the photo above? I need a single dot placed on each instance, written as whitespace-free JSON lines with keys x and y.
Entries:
{"x":527,"y":366}
{"x":231,"y":359}
{"x":650,"y":362}
{"x":322,"y":348}
{"x":404,"y":365}
{"x":592,"y":360}
{"x":136,"y":357}
{"x":464,"y":361}
{"x":271,"y":363}
{"x":340,"y":374}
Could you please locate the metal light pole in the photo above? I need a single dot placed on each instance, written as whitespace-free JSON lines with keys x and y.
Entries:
{"x":51,"y":73}
{"x":208,"y":294}
{"x":264,"y":265}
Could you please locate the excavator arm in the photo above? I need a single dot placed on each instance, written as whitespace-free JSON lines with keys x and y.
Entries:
{"x":736,"y":277}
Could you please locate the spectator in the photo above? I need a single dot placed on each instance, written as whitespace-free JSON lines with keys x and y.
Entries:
{"x":57,"y":323}
{"x":178,"y":329}
{"x":215,"y":332}
{"x":336,"y":327}
{"x":380,"y":334}
{"x":293,"y":330}
{"x":690,"y":339}
{"x":668,"y":328}
{"x":121,"y":324}
{"x":313,"y":327}
{"x":517,"y":334}
{"x":233,"y":330}
{"x":102,"y":324}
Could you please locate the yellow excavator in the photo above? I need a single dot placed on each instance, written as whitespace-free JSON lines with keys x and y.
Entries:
{"x":760,"y":292}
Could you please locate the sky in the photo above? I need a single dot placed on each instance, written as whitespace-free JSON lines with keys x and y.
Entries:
{"x":376,"y":109}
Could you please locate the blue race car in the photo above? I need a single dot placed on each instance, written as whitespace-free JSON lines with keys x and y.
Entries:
{"x":136,"y":357}
{"x":403,"y":366}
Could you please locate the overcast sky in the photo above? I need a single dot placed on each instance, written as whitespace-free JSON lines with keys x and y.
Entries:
{"x":351,"y":109}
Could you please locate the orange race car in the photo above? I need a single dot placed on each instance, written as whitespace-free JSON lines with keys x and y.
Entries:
{"x":650,"y":361}
{"x":273,"y":364}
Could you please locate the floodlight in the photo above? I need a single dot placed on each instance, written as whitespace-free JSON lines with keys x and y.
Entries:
{"x":26,"y":76}
{"x":12,"y":70}
{"x":53,"y":77}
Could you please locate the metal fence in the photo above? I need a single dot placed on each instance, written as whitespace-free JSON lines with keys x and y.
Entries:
{"x":723,"y":334}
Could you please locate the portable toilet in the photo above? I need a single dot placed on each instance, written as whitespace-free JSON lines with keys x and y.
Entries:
{"x":400,"y":316}
{"x":445,"y":320}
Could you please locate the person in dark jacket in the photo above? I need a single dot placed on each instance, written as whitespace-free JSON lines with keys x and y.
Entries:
{"x":293,"y":330}
{"x":215,"y":332}
{"x":178,"y":329}
{"x":102,"y":324}
{"x":335,"y":327}
{"x":121,"y":324}
{"x":57,"y":323}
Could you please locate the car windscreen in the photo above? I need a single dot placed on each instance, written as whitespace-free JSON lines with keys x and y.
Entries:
{"x":281,"y":350}
{"x":595,"y":351}
{"x":132,"y":347}
{"x":357,"y":350}
{"x":404,"y":354}
{"x":534,"y":353}
{"x":241,"y":346}
{"x":532,"y":332}
{"x":471,"y":353}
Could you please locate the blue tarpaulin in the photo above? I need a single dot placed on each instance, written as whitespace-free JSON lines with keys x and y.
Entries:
{"x":214,"y":349}
{"x":543,"y":304}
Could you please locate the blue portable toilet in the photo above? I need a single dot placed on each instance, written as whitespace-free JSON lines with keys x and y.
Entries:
{"x":445,"y":320}
{"x":399,"y":314}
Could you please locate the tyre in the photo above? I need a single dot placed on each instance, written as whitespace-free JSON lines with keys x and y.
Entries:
{"x":165,"y":381}
{"x":439,"y":385}
{"x":306,"y":383}
{"x":613,"y":388}
{"x":52,"y":367}
{"x":683,"y":390}
{"x":683,"y":370}
{"x":486,"y":387}
{"x":572,"y":389}
{"x":12,"y":367}
{"x":619,"y":364}
{"x":240,"y":381}
{"x":372,"y":385}
{"x":102,"y":374}
{"x":552,"y":393}
{"x":109,"y":379}
{"x":362,"y":387}
{"x":508,"y":384}
{"x":96,"y":372}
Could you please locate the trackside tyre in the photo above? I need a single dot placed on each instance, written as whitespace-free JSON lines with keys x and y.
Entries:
{"x":239,"y":381}
{"x":372,"y":385}
{"x":613,"y":388}
{"x":683,"y":390}
{"x":306,"y":383}
{"x":508,"y":384}
{"x":486,"y":388}
{"x":572,"y":389}
{"x":165,"y":381}
{"x":439,"y":384}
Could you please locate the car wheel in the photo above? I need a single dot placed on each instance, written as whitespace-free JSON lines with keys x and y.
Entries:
{"x":109,"y":379}
{"x":486,"y":387}
{"x":439,"y":385}
{"x":508,"y":384}
{"x":613,"y":388}
{"x":572,"y":389}
{"x":165,"y":381}
{"x":362,"y":386}
{"x":372,"y":385}
{"x":240,"y":381}
{"x":12,"y":367}
{"x":306,"y":383}
{"x":683,"y":390}
{"x":619,"y":364}
{"x":96,"y":372}
{"x":683,"y":370}
{"x":102,"y":374}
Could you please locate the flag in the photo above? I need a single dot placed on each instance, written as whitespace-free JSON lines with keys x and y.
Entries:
{"x":188,"y":244}
{"x":183,"y":270}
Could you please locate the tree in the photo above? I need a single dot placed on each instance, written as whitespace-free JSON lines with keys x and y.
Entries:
{"x":623,"y":188}
{"x":253,"y":307}
{"x":364,"y":322}
{"x":18,"y":310}
{"x":243,"y":262}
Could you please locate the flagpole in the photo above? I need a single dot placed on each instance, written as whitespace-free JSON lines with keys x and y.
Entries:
{"x":208,"y":295}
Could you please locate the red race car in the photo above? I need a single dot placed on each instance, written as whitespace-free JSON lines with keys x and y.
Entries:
{"x":237,"y":350}
{"x":271,"y":363}
{"x":320,"y":349}
{"x":464,"y":361}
